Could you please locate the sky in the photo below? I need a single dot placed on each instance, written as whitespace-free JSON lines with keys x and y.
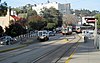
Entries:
{"x":75,"y":4}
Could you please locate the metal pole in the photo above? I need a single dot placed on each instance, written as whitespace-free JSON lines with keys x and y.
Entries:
{"x":95,"y":34}
{"x":9,"y":12}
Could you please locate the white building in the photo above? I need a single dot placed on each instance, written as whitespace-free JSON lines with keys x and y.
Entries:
{"x":63,"y":8}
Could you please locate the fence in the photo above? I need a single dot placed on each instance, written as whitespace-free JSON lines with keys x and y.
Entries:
{"x":22,"y":38}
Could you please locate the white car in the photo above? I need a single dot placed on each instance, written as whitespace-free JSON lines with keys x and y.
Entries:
{"x":43,"y":35}
{"x":88,"y":33}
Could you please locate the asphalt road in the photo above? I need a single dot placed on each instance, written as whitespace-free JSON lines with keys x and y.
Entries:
{"x":60,"y":53}
{"x":30,"y":53}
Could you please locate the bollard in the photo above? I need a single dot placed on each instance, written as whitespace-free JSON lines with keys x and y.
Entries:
{"x":97,"y":46}
{"x":98,"y":42}
{"x":85,"y":39}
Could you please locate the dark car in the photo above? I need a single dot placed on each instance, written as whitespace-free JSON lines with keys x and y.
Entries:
{"x":7,"y":40}
{"x":51,"y":33}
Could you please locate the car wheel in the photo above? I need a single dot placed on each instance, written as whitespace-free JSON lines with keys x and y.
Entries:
{"x":7,"y":43}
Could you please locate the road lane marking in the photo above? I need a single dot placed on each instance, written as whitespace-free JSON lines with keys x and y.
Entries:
{"x":70,"y":57}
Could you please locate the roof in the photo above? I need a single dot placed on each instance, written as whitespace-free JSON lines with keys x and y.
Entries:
{"x":15,"y":17}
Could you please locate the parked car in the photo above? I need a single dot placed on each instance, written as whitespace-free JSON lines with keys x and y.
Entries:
{"x":51,"y":33}
{"x":6,"y":40}
{"x":88,"y":33}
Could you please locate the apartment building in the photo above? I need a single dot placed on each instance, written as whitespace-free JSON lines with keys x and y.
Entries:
{"x":63,"y":8}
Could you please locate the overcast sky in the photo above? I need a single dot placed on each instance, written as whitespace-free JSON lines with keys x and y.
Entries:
{"x":75,"y":4}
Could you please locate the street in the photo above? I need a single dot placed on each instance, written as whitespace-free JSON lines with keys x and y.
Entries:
{"x":30,"y":54}
{"x":48,"y":31}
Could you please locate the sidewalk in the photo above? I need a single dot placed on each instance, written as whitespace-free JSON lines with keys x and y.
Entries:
{"x":86,"y":53}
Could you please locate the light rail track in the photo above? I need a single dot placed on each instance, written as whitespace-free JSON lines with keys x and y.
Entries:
{"x":52,"y":51}
{"x":26,"y":51}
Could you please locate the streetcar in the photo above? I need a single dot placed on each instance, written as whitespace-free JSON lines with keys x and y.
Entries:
{"x":66,"y":30}
{"x":77,"y":29}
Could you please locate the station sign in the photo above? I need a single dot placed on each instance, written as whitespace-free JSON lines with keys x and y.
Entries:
{"x":90,"y":20}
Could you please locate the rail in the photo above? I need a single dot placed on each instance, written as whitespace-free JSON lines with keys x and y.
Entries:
{"x":51,"y":51}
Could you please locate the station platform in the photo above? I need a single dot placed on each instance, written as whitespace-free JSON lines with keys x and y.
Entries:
{"x":85,"y":53}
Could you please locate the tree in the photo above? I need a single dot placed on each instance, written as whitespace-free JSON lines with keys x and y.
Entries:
{"x":3,"y":8}
{"x":69,"y":19}
{"x":23,"y":9}
{"x":97,"y":16}
{"x":94,"y":12}
{"x":36,"y":22}
{"x":23,"y":22}
{"x":31,"y":13}
{"x":15,"y":30}
{"x":18,"y":10}
{"x":51,"y":26}
{"x":1,"y":31}
{"x":52,"y":15}
{"x":84,"y":12}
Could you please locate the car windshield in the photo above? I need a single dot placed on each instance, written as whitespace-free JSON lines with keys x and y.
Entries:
{"x":40,"y":33}
{"x":44,"y":33}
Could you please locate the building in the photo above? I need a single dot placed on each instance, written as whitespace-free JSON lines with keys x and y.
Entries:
{"x":63,"y":8}
{"x":5,"y":20}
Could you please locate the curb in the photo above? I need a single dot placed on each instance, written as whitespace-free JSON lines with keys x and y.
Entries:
{"x":70,"y":57}
{"x":10,"y":49}
{"x":14,"y":48}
